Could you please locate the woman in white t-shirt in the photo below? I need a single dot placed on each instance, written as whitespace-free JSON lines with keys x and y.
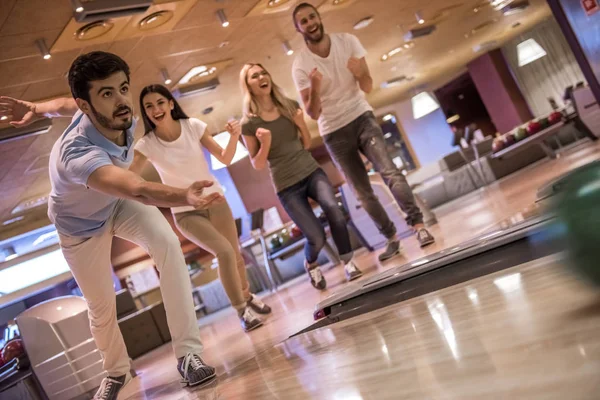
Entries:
{"x":174,"y":144}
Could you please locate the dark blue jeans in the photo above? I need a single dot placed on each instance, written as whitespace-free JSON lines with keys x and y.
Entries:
{"x":295,"y":201}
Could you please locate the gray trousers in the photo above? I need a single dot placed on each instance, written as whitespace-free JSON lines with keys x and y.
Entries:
{"x":364,"y":135}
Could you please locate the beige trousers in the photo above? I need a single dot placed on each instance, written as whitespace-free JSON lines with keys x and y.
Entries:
{"x":89,"y":261}
{"x":214,"y":230}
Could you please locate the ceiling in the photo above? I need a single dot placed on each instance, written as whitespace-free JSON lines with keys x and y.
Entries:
{"x":195,"y":37}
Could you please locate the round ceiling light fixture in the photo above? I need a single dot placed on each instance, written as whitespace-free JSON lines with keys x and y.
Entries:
{"x":155,"y":20}
{"x":93,"y":30}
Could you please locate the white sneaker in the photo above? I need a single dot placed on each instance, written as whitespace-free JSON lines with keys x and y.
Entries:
{"x":316,"y":276}
{"x":249,"y":320}
{"x":257,"y":305}
{"x":352,"y":272}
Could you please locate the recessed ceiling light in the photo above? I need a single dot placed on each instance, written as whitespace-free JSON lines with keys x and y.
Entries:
{"x":93,"y":30}
{"x":499,"y":4}
{"x":276,"y":3}
{"x":453,"y":118}
{"x":30,"y":204}
{"x":155,"y":20}
{"x":3,"y":118}
{"x":338,"y":2}
{"x":363,"y":23}
{"x":391,"y":53}
{"x":79,"y":9}
{"x":13,"y":220}
{"x":397,"y":50}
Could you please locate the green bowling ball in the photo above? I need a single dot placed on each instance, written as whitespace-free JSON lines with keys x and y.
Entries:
{"x":275,"y":243}
{"x":577,"y":207}
{"x":285,"y":237}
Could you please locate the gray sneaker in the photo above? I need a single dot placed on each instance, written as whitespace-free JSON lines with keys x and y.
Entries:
{"x":110,"y":387}
{"x":424,"y":237}
{"x":392,"y":250}
{"x":194,"y":371}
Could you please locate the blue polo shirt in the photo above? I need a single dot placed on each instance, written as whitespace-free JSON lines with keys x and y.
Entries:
{"x":75,"y":209}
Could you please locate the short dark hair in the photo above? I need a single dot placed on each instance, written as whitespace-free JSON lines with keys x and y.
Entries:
{"x":300,"y":7}
{"x":176,"y":113}
{"x":93,"y":66}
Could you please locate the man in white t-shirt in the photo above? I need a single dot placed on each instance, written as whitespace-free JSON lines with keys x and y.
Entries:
{"x":331,"y":74}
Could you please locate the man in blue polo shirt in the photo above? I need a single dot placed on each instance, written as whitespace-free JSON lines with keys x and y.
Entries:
{"x":94,"y":197}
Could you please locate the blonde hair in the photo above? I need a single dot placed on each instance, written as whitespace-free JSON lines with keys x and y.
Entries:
{"x":250,"y":109}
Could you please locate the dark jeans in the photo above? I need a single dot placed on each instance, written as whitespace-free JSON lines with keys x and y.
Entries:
{"x":295,"y":202}
{"x":364,"y":135}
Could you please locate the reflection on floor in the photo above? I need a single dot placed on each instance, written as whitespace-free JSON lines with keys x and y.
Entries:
{"x":528,"y":332}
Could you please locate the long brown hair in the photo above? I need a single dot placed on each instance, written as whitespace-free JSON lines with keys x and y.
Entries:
{"x":286,"y":106}
{"x":176,"y":113}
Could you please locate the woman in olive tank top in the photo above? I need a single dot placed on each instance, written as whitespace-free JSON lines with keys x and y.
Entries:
{"x":276,"y":135}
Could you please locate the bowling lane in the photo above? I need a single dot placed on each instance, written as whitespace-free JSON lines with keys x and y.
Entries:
{"x":527,"y":332}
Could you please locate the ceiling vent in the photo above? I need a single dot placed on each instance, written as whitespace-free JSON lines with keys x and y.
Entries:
{"x":94,"y":10}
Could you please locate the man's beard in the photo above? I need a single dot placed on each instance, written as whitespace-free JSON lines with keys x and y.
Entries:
{"x":110,"y":123}
{"x":318,"y":39}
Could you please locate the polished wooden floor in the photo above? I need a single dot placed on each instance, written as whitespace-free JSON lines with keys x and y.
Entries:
{"x":528,"y":332}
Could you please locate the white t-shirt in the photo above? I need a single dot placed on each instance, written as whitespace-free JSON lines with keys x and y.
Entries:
{"x":342,"y":101}
{"x":181,"y":162}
